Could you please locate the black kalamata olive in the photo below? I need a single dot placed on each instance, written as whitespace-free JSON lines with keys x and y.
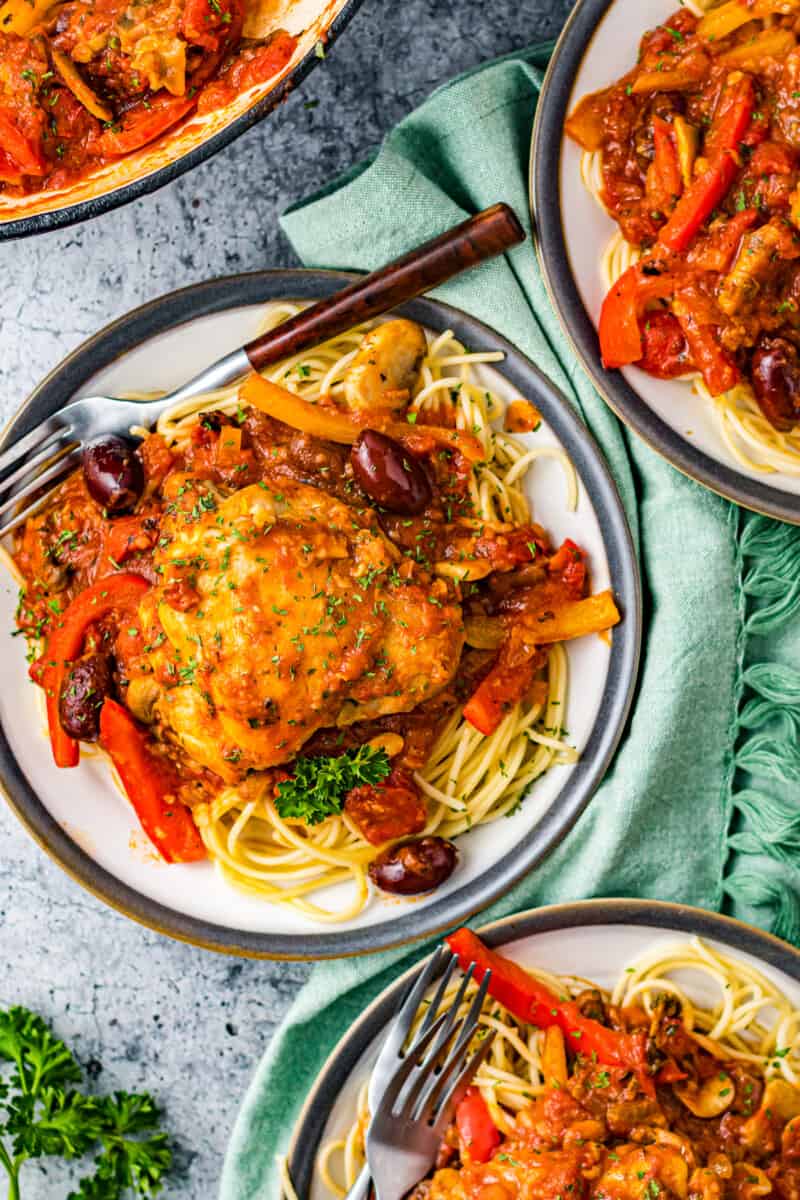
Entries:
{"x":775,"y":371}
{"x":86,"y":685}
{"x":415,"y":866}
{"x":389,"y":474}
{"x":114,"y":474}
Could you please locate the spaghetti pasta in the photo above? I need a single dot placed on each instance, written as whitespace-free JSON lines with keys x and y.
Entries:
{"x":727,"y":1005}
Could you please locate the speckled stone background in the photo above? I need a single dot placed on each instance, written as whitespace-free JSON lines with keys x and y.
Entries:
{"x":184,"y":1023}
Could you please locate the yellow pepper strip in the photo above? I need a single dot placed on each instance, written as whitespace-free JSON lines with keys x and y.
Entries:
{"x":773,"y":43}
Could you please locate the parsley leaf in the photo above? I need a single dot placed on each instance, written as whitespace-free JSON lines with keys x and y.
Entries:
{"x":319,"y":785}
{"x":42,"y":1115}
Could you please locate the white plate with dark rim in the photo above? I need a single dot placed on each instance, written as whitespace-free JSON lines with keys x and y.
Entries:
{"x":595,"y":939}
{"x":83,"y":822}
{"x":598,"y":44}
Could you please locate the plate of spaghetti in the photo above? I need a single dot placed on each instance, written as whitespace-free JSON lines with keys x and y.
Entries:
{"x":672,"y":252}
{"x":640,"y":1049}
{"x":105,"y":100}
{"x":327,"y":659}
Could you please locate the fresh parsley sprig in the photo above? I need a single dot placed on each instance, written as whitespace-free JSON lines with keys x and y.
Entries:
{"x":320,"y":785}
{"x":42,"y":1115}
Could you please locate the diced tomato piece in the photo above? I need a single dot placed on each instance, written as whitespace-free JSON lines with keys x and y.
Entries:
{"x":569,"y":564}
{"x":388,"y":810}
{"x":773,"y":158}
{"x":127,"y":535}
{"x":494,"y":698}
{"x":206,"y":22}
{"x":9,"y":171}
{"x":666,"y":351}
{"x":24,"y":151}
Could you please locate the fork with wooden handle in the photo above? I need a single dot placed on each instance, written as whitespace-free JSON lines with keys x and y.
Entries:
{"x":45,"y":455}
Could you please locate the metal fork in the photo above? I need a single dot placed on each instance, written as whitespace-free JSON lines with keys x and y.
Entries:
{"x":396,"y":1044}
{"x":418,"y":1104}
{"x":43,"y":456}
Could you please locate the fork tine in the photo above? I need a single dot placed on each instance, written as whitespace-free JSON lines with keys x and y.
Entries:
{"x":445,"y":1032}
{"x":30,"y":442}
{"x":50,"y":448}
{"x":62,"y":467}
{"x":452,"y":1097}
{"x":473,"y":1017}
{"x":414,"y":1059}
{"x":62,"y":463}
{"x":409,"y":1006}
{"x":436,"y":1082}
{"x":438,"y":996}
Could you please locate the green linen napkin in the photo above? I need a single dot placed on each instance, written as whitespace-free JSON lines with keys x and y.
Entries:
{"x":700,"y":805}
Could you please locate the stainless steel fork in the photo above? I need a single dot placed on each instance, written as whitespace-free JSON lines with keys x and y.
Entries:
{"x":418,"y":1104}
{"x":397,"y":1043}
{"x":43,"y":456}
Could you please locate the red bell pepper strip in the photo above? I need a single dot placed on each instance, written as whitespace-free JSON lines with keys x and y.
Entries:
{"x":479,"y":1135}
{"x":150,"y":785}
{"x":666,"y":165}
{"x":728,"y":127}
{"x":620,"y":336}
{"x":117,"y":592}
{"x":697,"y":205}
{"x":140,"y":125}
{"x":530,"y":1001}
{"x":732,"y":117}
{"x":718,"y":369}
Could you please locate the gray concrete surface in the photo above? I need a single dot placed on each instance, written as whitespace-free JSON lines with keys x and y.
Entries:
{"x":184,"y":1023}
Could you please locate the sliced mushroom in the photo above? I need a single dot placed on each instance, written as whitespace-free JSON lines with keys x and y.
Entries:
{"x":780,"y":1099}
{"x":484,"y":633}
{"x":142,"y":697}
{"x":384,"y":372}
{"x":261,"y":18}
{"x":80,"y":88}
{"x":711,"y":1099}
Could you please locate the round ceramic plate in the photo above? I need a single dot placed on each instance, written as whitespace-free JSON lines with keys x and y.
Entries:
{"x":79,"y":816}
{"x":598,"y":44}
{"x":595,"y":939}
{"x":311,"y":22}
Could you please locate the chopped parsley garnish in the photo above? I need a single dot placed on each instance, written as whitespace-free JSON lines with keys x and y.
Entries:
{"x":320,"y":785}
